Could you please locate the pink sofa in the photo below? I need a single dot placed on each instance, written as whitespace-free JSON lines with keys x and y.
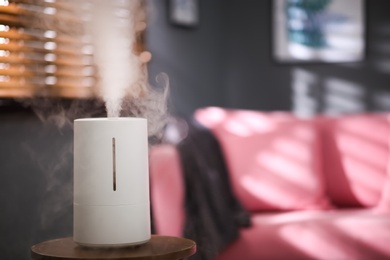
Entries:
{"x":315,"y":189}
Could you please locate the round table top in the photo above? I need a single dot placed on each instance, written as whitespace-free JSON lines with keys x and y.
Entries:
{"x":158,"y":247}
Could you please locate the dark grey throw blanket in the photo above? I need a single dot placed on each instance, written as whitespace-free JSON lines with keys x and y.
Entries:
{"x":213,"y":214}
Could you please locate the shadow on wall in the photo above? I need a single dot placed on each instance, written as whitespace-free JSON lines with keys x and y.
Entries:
{"x":346,"y":91}
{"x":313,"y":94}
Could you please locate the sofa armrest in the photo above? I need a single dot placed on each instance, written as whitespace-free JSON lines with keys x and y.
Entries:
{"x":167,"y":190}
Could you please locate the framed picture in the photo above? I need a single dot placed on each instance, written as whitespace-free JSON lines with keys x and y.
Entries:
{"x":184,"y":13}
{"x":318,"y":30}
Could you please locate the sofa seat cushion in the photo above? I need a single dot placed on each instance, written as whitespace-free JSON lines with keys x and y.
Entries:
{"x":334,"y":234}
{"x":273,"y":158}
{"x":356,"y":154}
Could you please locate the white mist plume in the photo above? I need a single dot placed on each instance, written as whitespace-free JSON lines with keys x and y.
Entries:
{"x":152,"y":106}
{"x":123,"y":80}
{"x":111,"y":25}
{"x":107,"y":34}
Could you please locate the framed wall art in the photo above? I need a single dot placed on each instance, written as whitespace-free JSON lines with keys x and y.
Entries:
{"x":318,"y":30}
{"x":184,"y":13}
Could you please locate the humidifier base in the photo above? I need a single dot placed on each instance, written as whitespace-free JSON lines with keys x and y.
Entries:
{"x":111,"y":226}
{"x":109,"y":246}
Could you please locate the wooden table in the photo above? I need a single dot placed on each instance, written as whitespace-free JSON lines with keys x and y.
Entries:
{"x":158,"y":248}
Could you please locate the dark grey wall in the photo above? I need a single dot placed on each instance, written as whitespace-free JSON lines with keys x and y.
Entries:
{"x":36,"y":182}
{"x":227,"y":62}
{"x":190,"y":57}
{"x":251,"y":79}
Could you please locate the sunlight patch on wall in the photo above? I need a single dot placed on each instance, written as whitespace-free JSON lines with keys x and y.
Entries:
{"x":313,"y":94}
{"x":304,"y":86}
{"x":341,"y":96}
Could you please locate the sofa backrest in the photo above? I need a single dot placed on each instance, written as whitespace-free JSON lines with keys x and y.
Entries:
{"x":355,"y":155}
{"x":274,"y":158}
{"x":280,"y":162}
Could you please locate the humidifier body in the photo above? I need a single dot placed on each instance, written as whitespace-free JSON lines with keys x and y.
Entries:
{"x":111,"y":182}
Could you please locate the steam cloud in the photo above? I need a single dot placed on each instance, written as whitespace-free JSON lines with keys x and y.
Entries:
{"x":111,"y":26}
{"x":123,"y":84}
{"x":108,"y":31}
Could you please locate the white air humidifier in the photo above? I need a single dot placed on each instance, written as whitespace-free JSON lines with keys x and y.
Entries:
{"x":111,"y":182}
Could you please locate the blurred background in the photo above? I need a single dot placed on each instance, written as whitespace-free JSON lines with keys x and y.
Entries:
{"x":227,"y":61}
{"x":222,"y":57}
